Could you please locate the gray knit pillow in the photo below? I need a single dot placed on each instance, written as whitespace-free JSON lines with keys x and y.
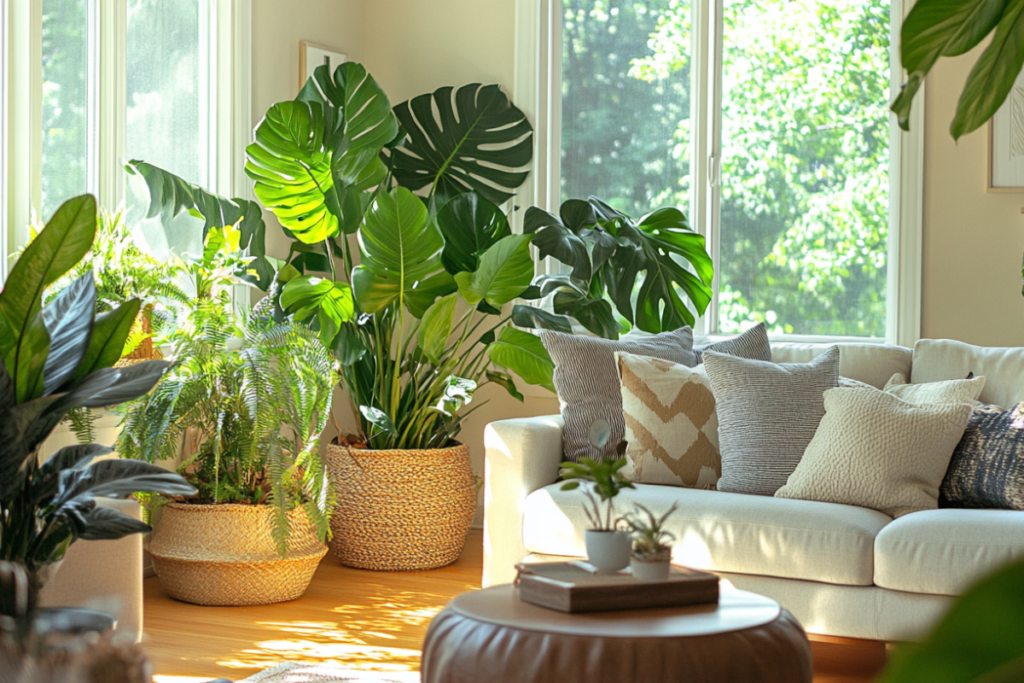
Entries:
{"x":587,"y":381}
{"x":767,"y":414}
{"x":751,"y":344}
{"x":987,"y":468}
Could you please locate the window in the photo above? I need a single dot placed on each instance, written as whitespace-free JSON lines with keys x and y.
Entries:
{"x":767,"y":122}
{"x":112,"y":80}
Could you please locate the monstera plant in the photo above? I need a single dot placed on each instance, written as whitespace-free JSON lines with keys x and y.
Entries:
{"x":57,"y":358}
{"x":404,"y":259}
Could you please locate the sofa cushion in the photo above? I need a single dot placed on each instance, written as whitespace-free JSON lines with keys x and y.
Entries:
{"x":946,"y":391}
{"x":873,"y":364}
{"x":588,"y":382}
{"x":751,"y":344}
{"x":945,"y":551}
{"x":987,"y":467}
{"x":1003,"y":368}
{"x":730,"y":532}
{"x":767,"y":414}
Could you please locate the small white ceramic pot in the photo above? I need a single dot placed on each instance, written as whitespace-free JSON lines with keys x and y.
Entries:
{"x":608,"y":550}
{"x":651,"y":570}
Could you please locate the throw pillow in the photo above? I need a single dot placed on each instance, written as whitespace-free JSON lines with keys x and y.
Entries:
{"x":948,"y":391}
{"x":587,"y":382}
{"x":751,"y":344}
{"x":987,"y":467}
{"x":767,"y":414}
{"x":875,"y":450}
{"x":671,"y":424}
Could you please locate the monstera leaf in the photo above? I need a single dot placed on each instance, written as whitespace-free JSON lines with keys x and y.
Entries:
{"x":401,"y":256}
{"x":313,"y":157}
{"x":482,"y":143}
{"x":470,"y":225}
{"x":608,"y":252}
{"x":169,"y":195}
{"x":331,"y":303}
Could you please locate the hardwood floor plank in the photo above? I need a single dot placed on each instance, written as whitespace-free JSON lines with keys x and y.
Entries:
{"x":372,"y":621}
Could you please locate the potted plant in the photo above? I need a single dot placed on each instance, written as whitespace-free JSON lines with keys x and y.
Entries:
{"x":247,"y":401}
{"x":57,"y":358}
{"x":601,"y":481}
{"x":652,"y":544}
{"x":419,"y":322}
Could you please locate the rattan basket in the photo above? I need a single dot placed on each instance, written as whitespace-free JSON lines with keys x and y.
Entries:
{"x":401,"y":510}
{"x":225,"y":554}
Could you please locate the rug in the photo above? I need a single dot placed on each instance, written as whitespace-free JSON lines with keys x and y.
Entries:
{"x":297,"y":672}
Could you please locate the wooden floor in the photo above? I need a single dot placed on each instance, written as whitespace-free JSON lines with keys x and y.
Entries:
{"x":364,"y":620}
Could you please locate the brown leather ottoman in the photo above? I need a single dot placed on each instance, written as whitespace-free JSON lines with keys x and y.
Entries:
{"x":490,"y":635}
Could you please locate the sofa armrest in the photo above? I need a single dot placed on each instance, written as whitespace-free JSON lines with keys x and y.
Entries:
{"x":103,"y":575}
{"x":522,"y":456}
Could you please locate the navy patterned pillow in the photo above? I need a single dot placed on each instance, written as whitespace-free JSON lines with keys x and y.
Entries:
{"x":987,"y":468}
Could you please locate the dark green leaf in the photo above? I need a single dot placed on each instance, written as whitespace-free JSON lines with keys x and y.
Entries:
{"x":108,"y":524}
{"x":109,"y":333}
{"x":45,"y":482}
{"x":132,"y":382}
{"x":577,"y":214}
{"x":556,"y":240}
{"x":505,"y":271}
{"x":378,"y":418}
{"x":69,"y":320}
{"x":536,"y":318}
{"x":523,"y":354}
{"x":594,"y":314}
{"x":470,"y":225}
{"x":505,"y":380}
{"x":119,"y":479}
{"x":482,"y":143}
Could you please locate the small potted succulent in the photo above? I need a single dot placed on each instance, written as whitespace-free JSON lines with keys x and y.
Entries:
{"x":607,"y":545}
{"x":652,"y":545}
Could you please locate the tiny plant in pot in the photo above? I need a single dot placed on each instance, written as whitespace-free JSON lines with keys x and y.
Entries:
{"x":601,"y":481}
{"x":652,"y":544}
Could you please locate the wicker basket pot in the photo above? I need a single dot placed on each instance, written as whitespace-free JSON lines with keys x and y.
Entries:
{"x":402,"y":509}
{"x":225,"y":554}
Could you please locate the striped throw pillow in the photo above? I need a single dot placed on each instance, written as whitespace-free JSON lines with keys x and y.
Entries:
{"x":671,"y":423}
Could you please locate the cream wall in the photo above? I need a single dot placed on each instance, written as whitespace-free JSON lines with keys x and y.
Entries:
{"x":973,"y":239}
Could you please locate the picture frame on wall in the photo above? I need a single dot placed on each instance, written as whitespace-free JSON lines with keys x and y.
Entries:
{"x":312,"y":55}
{"x":1006,"y":143}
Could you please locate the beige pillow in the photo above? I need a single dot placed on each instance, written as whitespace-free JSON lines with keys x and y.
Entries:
{"x":671,"y":423}
{"x":948,"y":391}
{"x":877,"y":451}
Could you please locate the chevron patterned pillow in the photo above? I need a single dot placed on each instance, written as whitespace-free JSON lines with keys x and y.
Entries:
{"x":671,"y":424}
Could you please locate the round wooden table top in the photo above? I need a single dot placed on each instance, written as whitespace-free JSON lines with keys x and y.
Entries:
{"x":736,"y":610}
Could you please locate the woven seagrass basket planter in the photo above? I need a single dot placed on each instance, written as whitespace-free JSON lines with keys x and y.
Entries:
{"x":400,"y":510}
{"x":225,"y":554}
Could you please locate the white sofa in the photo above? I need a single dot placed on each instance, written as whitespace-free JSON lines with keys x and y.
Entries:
{"x":841,"y":570}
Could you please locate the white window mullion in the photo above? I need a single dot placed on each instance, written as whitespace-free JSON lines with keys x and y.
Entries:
{"x":239,"y":36}
{"x":110,"y":139}
{"x":23,"y":95}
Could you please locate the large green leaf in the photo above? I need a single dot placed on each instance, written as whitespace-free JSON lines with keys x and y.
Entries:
{"x":109,"y":333}
{"x":470,"y":225}
{"x":312,"y":158}
{"x":994,"y":74}
{"x":472,"y":139}
{"x":558,"y":241}
{"x":67,"y":237}
{"x":524,"y":354}
{"x":981,"y":638}
{"x":69,"y":321}
{"x":401,"y":256}
{"x":331,"y":303}
{"x":436,"y":327}
{"x":169,"y":195}
{"x":533,"y":317}
{"x":504,"y":272}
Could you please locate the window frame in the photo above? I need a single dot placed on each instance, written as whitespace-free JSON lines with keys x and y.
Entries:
{"x":536,"y":89}
{"x":226,"y":86}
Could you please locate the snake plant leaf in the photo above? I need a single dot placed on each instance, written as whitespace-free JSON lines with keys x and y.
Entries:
{"x":503,"y":379}
{"x":993,"y":75}
{"x":330,"y":302}
{"x":981,"y":637}
{"x":505,"y":271}
{"x":401,"y":256}
{"x":470,"y":224}
{"x":67,"y":237}
{"x":69,"y":322}
{"x":555,"y":239}
{"x":169,"y":195}
{"x":537,"y":318}
{"x":523,"y":354}
{"x":110,"y":331}
{"x":436,"y":327}
{"x":472,"y":139}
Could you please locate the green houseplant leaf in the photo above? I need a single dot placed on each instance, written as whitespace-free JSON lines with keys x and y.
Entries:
{"x":470,"y":225}
{"x":504,"y":272}
{"x":401,"y":256}
{"x":524,"y":354}
{"x":331,"y":302}
{"x":436,"y":327}
{"x":481,"y":142}
{"x":68,"y":320}
{"x":109,"y":333}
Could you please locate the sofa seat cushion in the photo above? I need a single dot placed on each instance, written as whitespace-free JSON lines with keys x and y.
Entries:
{"x":729,"y":532}
{"x":943,"y":552}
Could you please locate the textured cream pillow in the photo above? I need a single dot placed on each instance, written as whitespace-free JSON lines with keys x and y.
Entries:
{"x":877,"y":451}
{"x":671,"y":424}
{"x":948,"y":391}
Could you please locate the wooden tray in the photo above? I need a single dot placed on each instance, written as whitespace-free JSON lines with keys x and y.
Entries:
{"x":566,"y":587}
